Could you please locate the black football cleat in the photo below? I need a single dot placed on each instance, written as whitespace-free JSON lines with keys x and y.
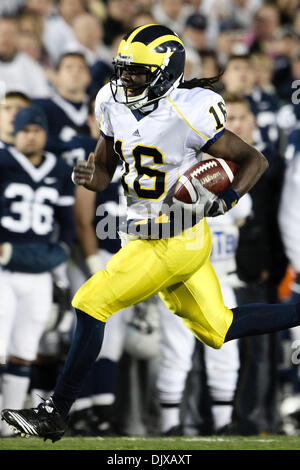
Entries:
{"x":43,"y":421}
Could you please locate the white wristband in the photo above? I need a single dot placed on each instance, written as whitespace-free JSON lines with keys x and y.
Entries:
{"x":72,"y":177}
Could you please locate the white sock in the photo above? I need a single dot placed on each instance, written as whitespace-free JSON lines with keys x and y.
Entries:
{"x":222,"y":415}
{"x":104,"y":399}
{"x":82,"y":404}
{"x":170,"y":417}
{"x":14,"y":393}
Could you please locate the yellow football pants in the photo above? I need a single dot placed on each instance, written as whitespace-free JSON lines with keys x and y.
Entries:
{"x":178,"y":269}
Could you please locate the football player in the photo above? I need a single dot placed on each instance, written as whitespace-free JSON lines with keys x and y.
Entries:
{"x":178,"y":343}
{"x":288,"y":213}
{"x":289,"y":223}
{"x":159,"y":126}
{"x":36,"y":201}
{"x":261,"y":264}
{"x":67,"y":110}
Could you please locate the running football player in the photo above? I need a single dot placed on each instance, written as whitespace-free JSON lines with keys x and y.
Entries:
{"x":158,"y":125}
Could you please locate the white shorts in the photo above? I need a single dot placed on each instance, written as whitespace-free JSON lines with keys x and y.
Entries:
{"x":25,"y":304}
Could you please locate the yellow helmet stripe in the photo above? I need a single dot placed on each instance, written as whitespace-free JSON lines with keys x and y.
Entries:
{"x":136,"y":31}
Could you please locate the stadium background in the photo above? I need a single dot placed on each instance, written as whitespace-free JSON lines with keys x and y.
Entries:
{"x":267,"y":34}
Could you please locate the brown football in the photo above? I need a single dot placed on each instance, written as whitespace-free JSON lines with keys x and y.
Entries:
{"x":215,"y":174}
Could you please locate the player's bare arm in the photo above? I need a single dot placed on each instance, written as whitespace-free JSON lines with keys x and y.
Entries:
{"x":251,"y":163}
{"x":97,"y":172}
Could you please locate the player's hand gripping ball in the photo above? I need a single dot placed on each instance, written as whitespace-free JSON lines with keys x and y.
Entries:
{"x":201,"y":185}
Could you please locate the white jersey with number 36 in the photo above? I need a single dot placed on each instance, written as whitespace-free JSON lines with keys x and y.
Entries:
{"x":158,"y":147}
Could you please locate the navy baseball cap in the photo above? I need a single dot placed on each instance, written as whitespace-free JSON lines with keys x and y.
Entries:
{"x":197,"y":21}
{"x":30,"y":115}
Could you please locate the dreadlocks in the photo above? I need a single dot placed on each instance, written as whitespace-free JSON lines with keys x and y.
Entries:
{"x":201,"y":82}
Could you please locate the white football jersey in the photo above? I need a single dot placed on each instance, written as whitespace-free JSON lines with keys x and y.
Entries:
{"x":157,"y":148}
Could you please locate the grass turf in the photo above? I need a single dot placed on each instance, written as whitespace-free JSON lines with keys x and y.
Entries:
{"x":139,"y":443}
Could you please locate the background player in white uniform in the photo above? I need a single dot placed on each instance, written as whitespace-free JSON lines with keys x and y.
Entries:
{"x":36,"y":197}
{"x":289,"y":220}
{"x":289,"y":223}
{"x":289,"y":217}
{"x":178,"y":343}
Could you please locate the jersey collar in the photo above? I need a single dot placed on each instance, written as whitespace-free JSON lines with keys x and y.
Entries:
{"x":78,"y":116}
{"x":36,"y":173}
{"x":138,"y":114}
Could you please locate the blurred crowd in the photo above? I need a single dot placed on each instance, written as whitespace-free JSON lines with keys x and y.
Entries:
{"x":58,"y":54}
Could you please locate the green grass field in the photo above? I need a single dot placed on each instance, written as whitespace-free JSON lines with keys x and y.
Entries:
{"x":139,"y":443}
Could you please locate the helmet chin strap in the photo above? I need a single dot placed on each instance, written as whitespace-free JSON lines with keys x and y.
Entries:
{"x":138,"y":101}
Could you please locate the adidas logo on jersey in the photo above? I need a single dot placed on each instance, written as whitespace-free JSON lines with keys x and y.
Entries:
{"x":137,"y":133}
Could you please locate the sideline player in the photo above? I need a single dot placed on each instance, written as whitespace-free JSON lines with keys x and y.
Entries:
{"x":158,"y":125}
{"x":36,"y":198}
{"x":178,"y":343}
{"x":67,"y":110}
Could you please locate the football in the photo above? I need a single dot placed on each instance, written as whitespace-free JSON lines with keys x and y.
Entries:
{"x":215,"y":174}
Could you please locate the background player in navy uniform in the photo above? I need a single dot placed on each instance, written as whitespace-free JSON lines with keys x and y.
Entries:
{"x":36,"y":232}
{"x":81,"y":145}
{"x":89,"y":254}
{"x":11,"y":104}
{"x":67,"y":110}
{"x":137,"y":272}
{"x":55,"y":340}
